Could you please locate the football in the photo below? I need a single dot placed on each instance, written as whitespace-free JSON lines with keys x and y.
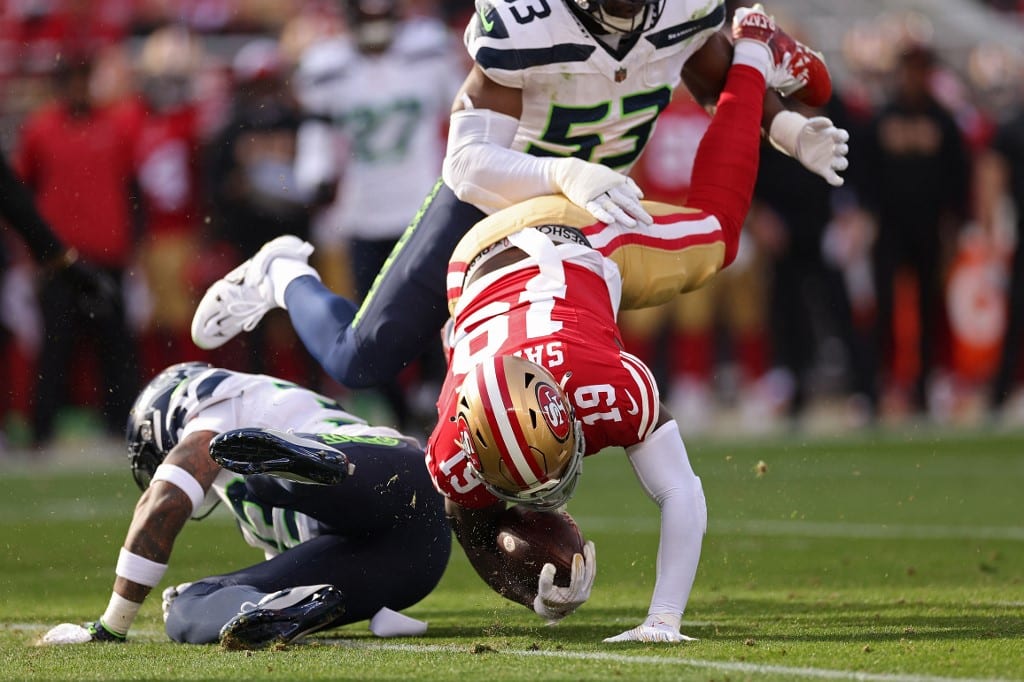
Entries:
{"x":528,"y":539}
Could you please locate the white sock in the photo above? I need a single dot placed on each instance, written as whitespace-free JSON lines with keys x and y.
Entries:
{"x":120,"y":614}
{"x":283,"y":271}
{"x":752,"y":53}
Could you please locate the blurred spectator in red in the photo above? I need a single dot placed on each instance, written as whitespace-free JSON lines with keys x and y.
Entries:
{"x":166,"y":158}
{"x":34,"y":33}
{"x":78,"y":161}
{"x":916,"y":179}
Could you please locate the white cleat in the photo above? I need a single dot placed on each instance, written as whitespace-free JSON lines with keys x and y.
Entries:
{"x":238,"y":301}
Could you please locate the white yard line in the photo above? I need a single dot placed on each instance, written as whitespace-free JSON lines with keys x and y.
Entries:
{"x":625,"y":659}
{"x":723,"y":666}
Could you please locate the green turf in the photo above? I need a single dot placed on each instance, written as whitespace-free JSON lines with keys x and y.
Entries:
{"x":889,"y":557}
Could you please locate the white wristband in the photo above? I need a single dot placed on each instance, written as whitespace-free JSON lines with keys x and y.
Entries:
{"x":139,"y":569}
{"x":182,"y":480}
{"x":785,"y":130}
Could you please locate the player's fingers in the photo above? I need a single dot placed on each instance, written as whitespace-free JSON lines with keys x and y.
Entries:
{"x":833,"y":178}
{"x":634,"y":188}
{"x":590,"y":558}
{"x":597,"y":210}
{"x":618,"y":215}
{"x":579,"y":575}
{"x":546,"y":580}
{"x":840,"y":163}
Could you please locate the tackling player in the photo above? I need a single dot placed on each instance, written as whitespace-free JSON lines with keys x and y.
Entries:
{"x":336,"y":554}
{"x":561,"y":98}
{"x":537,"y":376}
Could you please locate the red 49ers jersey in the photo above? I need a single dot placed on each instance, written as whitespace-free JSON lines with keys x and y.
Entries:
{"x":559,"y":314}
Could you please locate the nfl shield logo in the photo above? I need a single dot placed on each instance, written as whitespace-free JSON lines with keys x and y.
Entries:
{"x":620,"y":75}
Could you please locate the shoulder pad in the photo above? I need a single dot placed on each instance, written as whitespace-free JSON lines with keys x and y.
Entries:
{"x":680,"y":22}
{"x":506,"y":39}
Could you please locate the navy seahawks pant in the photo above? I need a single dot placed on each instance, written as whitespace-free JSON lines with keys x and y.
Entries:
{"x":386,"y":542}
{"x":404,"y":310}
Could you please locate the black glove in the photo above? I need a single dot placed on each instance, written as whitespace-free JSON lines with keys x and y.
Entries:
{"x":98,"y":293}
{"x":100,"y":633}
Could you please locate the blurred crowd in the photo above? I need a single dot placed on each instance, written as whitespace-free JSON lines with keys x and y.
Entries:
{"x":164,"y":141}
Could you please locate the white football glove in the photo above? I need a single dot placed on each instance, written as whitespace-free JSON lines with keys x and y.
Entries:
{"x":70,"y":633}
{"x":653,"y":629}
{"x":608,"y":195}
{"x":554,"y":603}
{"x":169,"y":595}
{"x":815,"y":142}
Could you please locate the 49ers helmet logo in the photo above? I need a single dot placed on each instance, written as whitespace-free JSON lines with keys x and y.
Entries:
{"x":555,"y":413}
{"x":465,"y":443}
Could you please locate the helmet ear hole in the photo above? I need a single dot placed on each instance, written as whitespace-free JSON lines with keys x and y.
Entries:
{"x":480,"y":437}
{"x":533,"y":418}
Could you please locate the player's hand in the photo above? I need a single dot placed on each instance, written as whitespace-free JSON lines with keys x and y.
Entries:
{"x":654,"y":629}
{"x":608,"y":195}
{"x":69,"y":633}
{"x":554,"y":603}
{"x":815,"y":142}
{"x":98,"y":294}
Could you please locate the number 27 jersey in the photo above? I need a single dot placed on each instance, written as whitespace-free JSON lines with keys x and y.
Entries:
{"x":580,"y":97}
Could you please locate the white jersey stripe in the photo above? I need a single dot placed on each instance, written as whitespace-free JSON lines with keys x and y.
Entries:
{"x":508,"y":436}
{"x":658,"y":231}
{"x":648,"y":389}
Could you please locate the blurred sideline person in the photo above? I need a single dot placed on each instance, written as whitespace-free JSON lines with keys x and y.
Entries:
{"x":731,"y":302}
{"x":537,"y":376}
{"x":365,"y":548}
{"x":1000,"y":174}
{"x":917,"y":188}
{"x":71,"y":150}
{"x":376,"y":101}
{"x":532,"y":120}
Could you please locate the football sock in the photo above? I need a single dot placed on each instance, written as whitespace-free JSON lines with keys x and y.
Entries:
{"x":725,"y":168}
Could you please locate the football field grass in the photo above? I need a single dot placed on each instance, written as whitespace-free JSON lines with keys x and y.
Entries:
{"x":887,"y":557}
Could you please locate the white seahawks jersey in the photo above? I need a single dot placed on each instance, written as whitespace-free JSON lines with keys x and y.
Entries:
{"x":221,"y":400}
{"x":389,"y":110}
{"x":581,"y":97}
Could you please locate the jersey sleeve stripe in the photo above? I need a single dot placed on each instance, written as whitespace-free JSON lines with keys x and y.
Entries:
{"x":519,"y":60}
{"x":655,"y":242}
{"x":501,"y":426}
{"x":648,"y":388}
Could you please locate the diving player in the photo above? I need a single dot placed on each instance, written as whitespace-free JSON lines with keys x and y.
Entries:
{"x":537,"y":375}
{"x":365,"y":548}
{"x":562,"y":97}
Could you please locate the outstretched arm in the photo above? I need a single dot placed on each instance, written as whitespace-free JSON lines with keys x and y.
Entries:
{"x":663,"y":469}
{"x":178,"y":486}
{"x":813,"y":142}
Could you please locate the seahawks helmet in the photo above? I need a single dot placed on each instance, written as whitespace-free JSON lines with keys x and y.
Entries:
{"x":152,"y":431}
{"x":520,"y":433}
{"x":623,"y":17}
{"x":372,"y":23}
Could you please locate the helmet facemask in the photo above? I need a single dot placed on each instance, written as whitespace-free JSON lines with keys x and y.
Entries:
{"x":622,"y":17}
{"x":149,"y":434}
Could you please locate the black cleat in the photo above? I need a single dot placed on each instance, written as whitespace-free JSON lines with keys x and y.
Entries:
{"x":265,"y":451}
{"x":283,"y":617}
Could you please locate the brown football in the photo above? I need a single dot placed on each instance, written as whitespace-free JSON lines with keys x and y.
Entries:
{"x":529,"y":539}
